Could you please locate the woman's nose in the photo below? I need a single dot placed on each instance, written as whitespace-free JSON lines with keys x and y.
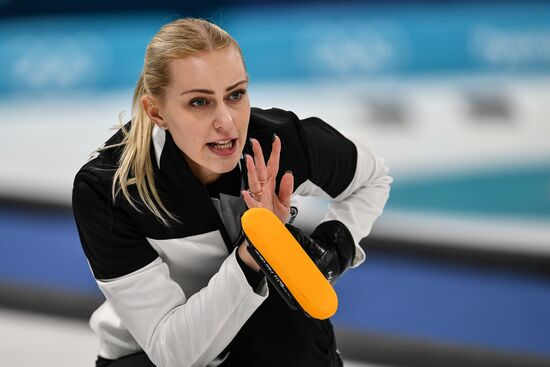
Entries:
{"x":223,"y":119}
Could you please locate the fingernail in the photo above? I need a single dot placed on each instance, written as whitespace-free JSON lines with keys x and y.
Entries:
{"x":251,"y":145}
{"x":273,"y":139}
{"x":289,"y":172}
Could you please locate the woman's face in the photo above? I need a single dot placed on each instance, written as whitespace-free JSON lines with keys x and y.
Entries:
{"x":206,"y":110}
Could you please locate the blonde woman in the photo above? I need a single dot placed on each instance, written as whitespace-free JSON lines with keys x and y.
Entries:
{"x":158,"y":213}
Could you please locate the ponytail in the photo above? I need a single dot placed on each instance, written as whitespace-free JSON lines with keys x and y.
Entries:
{"x":135,"y":166}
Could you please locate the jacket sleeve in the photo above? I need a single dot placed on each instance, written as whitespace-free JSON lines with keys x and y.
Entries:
{"x":172,"y":328}
{"x":346,"y":172}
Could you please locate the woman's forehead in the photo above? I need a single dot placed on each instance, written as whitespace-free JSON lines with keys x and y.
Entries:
{"x":212,"y":70}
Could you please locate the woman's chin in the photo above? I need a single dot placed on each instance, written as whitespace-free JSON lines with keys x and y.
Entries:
{"x":224,"y":167}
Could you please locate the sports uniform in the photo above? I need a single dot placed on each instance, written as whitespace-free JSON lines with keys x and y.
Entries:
{"x":181,"y":294}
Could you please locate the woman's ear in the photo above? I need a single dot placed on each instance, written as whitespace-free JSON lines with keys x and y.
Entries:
{"x":152,"y":109}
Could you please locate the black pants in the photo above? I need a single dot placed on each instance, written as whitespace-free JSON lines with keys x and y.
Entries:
{"x":273,"y":336}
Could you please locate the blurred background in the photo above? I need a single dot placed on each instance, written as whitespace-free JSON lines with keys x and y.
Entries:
{"x":455,"y":95}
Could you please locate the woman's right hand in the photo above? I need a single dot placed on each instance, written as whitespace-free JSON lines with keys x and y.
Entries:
{"x":261,"y":181}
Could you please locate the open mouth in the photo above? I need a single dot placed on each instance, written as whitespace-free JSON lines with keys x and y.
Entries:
{"x":223,"y":144}
{"x":223,"y":148}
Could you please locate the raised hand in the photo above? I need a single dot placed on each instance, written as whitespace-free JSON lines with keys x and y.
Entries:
{"x":261,"y":181}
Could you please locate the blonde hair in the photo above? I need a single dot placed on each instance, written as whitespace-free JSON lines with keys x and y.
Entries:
{"x":178,"y":39}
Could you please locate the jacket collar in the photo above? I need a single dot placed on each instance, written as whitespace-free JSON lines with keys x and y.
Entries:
{"x":182,"y":193}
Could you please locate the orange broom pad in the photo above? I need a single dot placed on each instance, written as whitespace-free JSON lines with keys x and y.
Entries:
{"x":287,"y":265}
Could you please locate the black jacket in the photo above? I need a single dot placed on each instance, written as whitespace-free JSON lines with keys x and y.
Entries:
{"x":179,"y":293}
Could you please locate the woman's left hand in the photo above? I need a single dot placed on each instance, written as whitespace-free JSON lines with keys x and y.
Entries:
{"x":261,"y":181}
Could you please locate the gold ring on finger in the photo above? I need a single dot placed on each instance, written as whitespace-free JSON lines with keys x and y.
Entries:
{"x":256,"y":193}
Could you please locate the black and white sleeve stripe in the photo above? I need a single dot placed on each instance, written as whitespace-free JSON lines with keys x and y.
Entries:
{"x":348,"y":174}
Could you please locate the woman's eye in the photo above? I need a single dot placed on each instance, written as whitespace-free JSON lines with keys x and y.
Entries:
{"x":237,"y":95}
{"x":198,"y":102}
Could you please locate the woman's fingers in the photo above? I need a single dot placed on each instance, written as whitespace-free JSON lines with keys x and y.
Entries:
{"x":270,"y":172}
{"x":286,"y":188}
{"x":273,"y":163}
{"x":259,"y":160}
{"x":253,"y":181}
{"x":249,"y":200}
{"x":262,"y":180}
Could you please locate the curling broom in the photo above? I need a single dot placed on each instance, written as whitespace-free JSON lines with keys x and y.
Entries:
{"x":287,"y":266}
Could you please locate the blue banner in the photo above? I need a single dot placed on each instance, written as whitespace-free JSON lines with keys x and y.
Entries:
{"x":356,"y":41}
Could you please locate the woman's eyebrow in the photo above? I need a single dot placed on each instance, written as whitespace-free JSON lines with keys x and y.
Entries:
{"x":208,"y":91}
{"x":236,"y":84}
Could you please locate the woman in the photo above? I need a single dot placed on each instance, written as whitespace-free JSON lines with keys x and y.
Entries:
{"x":158,"y":212}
